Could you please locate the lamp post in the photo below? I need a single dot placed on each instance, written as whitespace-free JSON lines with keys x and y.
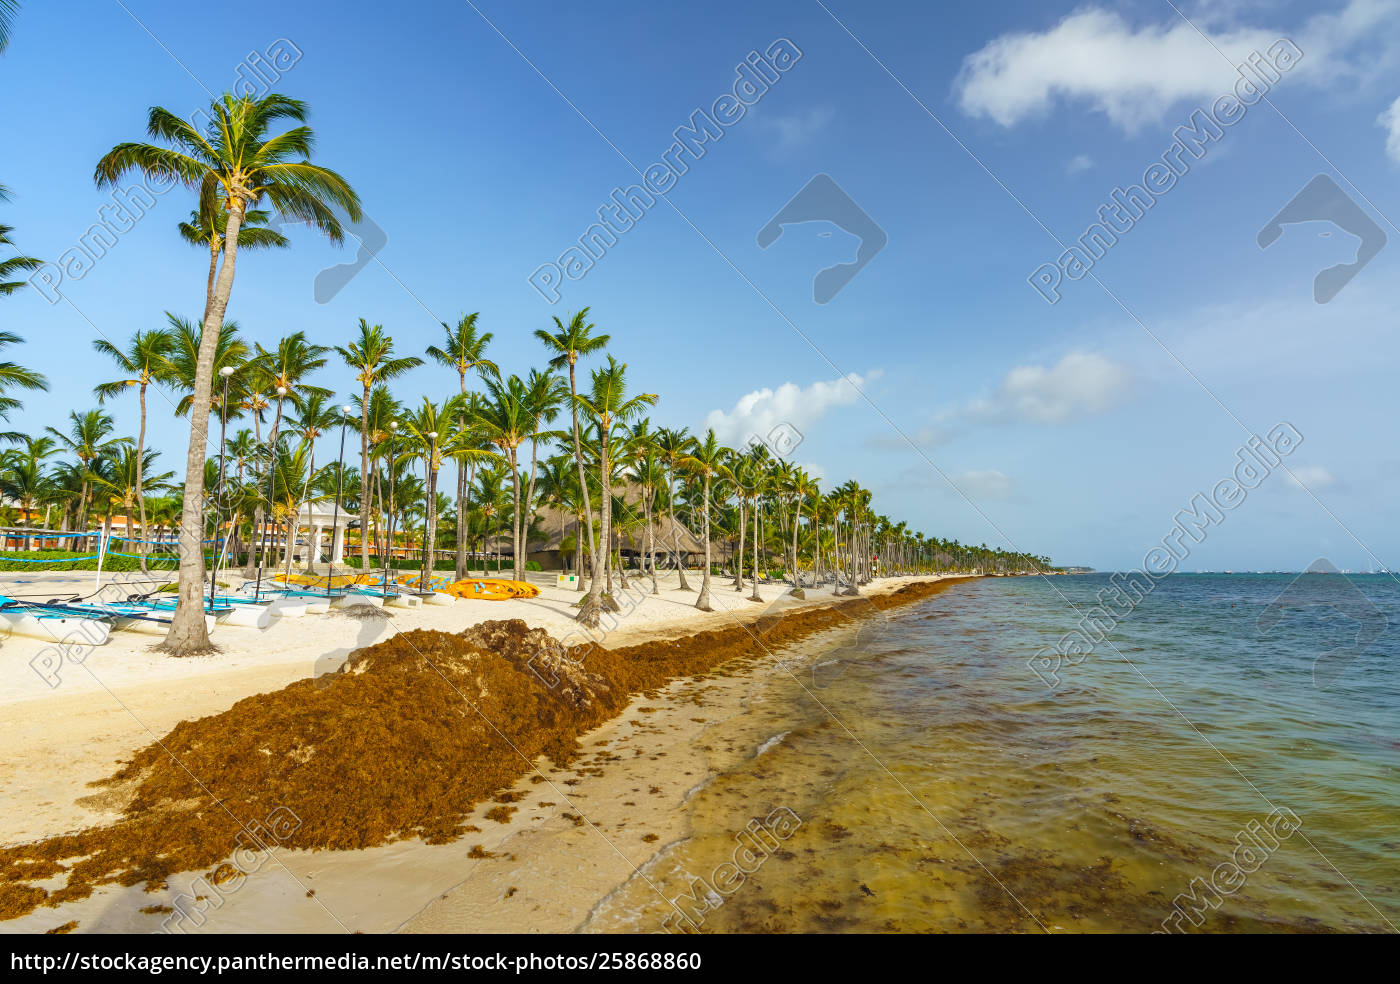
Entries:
{"x":345,"y":413}
{"x":270,"y":524}
{"x":389,"y":560}
{"x":226,"y":372}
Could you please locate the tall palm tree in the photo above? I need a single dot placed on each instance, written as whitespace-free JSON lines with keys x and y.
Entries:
{"x":371,"y":355}
{"x":140,"y":364}
{"x":463,"y":349}
{"x":607,"y":402}
{"x":705,"y":458}
{"x":544,"y":398}
{"x":15,"y":376}
{"x":284,"y":371}
{"x":25,"y":479}
{"x":569,"y":344}
{"x":182,"y":361}
{"x":205,"y":227}
{"x":233,"y":165}
{"x":89,"y":438}
{"x":504,"y":419}
{"x":672,"y":445}
{"x":122,"y":482}
{"x":428,"y":437}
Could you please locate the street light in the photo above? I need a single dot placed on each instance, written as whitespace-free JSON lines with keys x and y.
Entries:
{"x":226,"y":372}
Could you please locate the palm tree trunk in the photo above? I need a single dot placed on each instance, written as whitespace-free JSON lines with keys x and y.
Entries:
{"x":739,"y":557}
{"x":515,"y":518}
{"x":461,"y":566}
{"x":671,"y":506}
{"x":796,"y":576}
{"x":757,"y":556}
{"x":188,"y":632}
{"x":588,"y":615}
{"x":364,"y":471}
{"x":209,"y":284}
{"x":703,"y":602}
{"x":140,"y":498}
{"x":651,"y":538}
{"x":605,"y":506}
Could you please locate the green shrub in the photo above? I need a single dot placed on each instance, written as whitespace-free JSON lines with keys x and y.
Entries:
{"x":58,"y":560}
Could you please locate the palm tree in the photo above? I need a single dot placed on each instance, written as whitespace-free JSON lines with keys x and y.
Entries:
{"x":142,"y":363}
{"x":463,"y":349}
{"x":569,"y":344}
{"x":428,"y":438}
{"x":182,"y":361}
{"x":88,"y":439}
{"x":801,"y":487}
{"x":15,"y":376}
{"x":544,"y":397}
{"x":233,"y":165}
{"x":8,"y":10}
{"x":372,"y":357}
{"x":24,"y":479}
{"x":607,"y":402}
{"x":13,"y":265}
{"x":672,"y":445}
{"x":122,"y":483}
{"x":381,"y":420}
{"x":205,"y":227}
{"x":650,"y":474}
{"x":504,"y":420}
{"x":283,"y":371}
{"x":705,"y":458}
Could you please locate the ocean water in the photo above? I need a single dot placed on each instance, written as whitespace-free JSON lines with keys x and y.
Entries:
{"x":1229,"y":760}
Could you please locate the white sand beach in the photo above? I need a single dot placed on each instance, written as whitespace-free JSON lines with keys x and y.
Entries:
{"x":123,"y":696}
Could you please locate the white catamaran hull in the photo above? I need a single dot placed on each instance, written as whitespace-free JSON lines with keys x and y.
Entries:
{"x":70,"y":630}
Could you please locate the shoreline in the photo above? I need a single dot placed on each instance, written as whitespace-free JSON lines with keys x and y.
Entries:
{"x":443,"y":873}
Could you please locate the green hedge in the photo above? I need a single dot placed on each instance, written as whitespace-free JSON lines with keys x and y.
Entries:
{"x":53,"y":560}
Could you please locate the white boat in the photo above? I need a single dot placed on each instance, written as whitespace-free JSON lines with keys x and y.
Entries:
{"x":70,"y":630}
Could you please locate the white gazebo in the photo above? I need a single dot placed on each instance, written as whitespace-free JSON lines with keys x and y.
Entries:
{"x":316,"y":517}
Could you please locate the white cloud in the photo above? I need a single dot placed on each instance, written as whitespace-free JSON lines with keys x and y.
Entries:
{"x":1133,"y":75}
{"x":1080,"y":383}
{"x":765,"y":411}
{"x":1390,"y":121}
{"x":1077,"y":163}
{"x":1312,"y":478}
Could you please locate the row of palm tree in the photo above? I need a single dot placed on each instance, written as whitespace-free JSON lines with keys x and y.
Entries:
{"x":605,"y":467}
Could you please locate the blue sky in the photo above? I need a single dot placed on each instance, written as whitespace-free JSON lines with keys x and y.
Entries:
{"x":1077,"y":429}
